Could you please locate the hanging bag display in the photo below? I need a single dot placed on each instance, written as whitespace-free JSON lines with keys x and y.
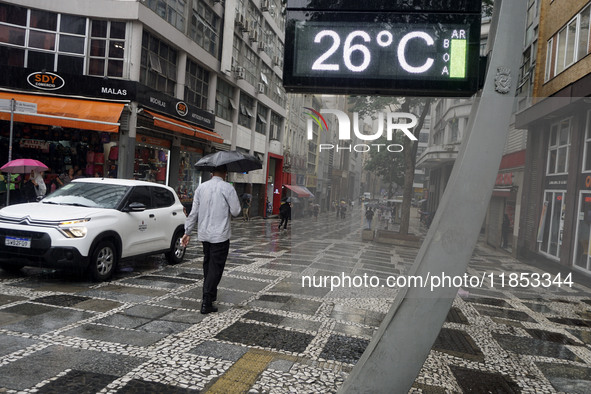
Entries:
{"x":114,"y":153}
{"x":99,"y":158}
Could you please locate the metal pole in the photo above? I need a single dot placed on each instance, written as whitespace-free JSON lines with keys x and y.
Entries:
{"x":12,"y":108}
{"x":398,"y":350}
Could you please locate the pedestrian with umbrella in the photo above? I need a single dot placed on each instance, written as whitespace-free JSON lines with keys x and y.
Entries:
{"x":214,"y":202}
{"x":284,"y":213}
{"x":246,"y":198}
{"x":22,"y":166}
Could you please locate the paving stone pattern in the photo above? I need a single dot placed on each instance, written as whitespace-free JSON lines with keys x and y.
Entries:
{"x":143,"y":333}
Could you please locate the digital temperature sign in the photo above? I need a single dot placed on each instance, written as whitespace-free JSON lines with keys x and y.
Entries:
{"x":387,"y":53}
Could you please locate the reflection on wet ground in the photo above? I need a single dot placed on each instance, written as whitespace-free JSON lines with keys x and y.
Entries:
{"x":142,"y":332}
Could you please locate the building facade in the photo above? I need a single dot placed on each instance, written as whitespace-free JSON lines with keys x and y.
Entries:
{"x":555,"y":218}
{"x":143,"y":89}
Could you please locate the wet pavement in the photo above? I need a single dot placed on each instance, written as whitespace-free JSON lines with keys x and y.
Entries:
{"x":142,"y":332}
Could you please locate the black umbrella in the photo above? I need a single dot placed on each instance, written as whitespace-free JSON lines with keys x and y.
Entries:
{"x":233,"y":160}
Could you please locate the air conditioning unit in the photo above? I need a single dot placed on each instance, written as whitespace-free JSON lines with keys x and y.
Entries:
{"x":245,"y":26}
{"x":265,"y":5}
{"x":254,"y":37}
{"x":261,"y":87}
{"x":239,"y":21}
{"x":240,"y":72}
{"x":276,"y":60}
{"x":262,"y":46}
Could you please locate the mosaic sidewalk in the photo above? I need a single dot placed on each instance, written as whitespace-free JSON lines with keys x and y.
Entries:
{"x":143,"y":333}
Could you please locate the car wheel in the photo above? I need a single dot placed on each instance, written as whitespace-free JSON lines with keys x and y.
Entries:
{"x":177,"y":252}
{"x":103,"y":261}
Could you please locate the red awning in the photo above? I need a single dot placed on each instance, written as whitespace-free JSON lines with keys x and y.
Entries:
{"x":300,"y":191}
{"x":185,"y":128}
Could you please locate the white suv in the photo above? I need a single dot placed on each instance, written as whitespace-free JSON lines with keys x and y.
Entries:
{"x":92,"y":223}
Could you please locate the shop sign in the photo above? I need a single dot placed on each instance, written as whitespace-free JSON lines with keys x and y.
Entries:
{"x":34,"y":144}
{"x":172,"y":106}
{"x":191,"y":149}
{"x":67,"y":84}
{"x":556,"y":182}
{"x":182,"y":109}
{"x":153,"y":141}
{"x":505,"y":179}
{"x":586,"y":184}
{"x":46,"y":81}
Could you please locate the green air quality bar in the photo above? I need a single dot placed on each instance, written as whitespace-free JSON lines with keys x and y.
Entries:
{"x":458,"y":59}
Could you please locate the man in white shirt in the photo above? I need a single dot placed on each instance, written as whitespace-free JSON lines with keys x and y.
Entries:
{"x":213,"y":203}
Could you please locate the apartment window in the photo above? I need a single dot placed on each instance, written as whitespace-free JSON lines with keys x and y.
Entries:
{"x":42,"y":40}
{"x":246,"y":106}
{"x":107,"y":48}
{"x":223,"y":100}
{"x":261,"y":121}
{"x":173,"y":11}
{"x":275,"y":126}
{"x":454,"y":126}
{"x":205,"y":27}
{"x":587,"y":154}
{"x":424,"y":137}
{"x":571,"y":44}
{"x":250,"y":62}
{"x":277,"y":93}
{"x":583,"y":35}
{"x":558,"y":148}
{"x":196,"y":84}
{"x":158,"y":64}
{"x":548,"y":70}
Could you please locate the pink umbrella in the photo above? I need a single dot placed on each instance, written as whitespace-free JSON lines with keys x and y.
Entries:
{"x":23,"y":166}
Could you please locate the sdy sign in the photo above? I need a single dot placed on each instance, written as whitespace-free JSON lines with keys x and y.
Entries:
{"x":387,"y":122}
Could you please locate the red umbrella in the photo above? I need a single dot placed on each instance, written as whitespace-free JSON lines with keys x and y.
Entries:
{"x":23,"y":166}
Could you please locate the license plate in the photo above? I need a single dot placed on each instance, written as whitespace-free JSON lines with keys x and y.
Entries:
{"x":18,"y":242}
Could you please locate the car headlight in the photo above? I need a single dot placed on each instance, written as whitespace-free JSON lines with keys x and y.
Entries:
{"x":73,"y":228}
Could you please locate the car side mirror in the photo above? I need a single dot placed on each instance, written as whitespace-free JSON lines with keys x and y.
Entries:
{"x":135,"y":207}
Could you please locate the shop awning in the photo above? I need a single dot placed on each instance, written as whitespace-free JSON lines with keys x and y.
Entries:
{"x":301,"y":191}
{"x":64,"y":112}
{"x":502,"y":193}
{"x":182,"y":127}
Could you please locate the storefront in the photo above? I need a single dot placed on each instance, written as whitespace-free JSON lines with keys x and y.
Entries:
{"x":274,"y":184}
{"x":557,"y":186}
{"x":503,"y":211}
{"x":64,"y":132}
{"x":103,"y":127}
{"x":181,"y":142}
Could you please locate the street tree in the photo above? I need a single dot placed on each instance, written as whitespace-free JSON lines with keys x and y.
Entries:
{"x":395,"y":168}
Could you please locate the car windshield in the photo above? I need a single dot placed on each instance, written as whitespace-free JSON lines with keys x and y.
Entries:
{"x":86,"y":194}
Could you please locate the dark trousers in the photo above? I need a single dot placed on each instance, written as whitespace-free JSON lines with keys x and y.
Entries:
{"x":214,"y":261}
{"x":283,"y":220}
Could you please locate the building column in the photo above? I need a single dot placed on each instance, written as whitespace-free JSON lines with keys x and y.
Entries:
{"x":174,"y":160}
{"x":135,"y":50}
{"x":127,"y":144}
{"x":181,"y":75}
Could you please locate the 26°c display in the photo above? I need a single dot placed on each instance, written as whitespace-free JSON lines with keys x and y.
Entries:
{"x":382,"y":51}
{"x":388,"y":55}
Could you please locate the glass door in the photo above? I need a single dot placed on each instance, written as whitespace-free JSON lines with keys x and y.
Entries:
{"x":552,"y":223}
{"x":582,"y":246}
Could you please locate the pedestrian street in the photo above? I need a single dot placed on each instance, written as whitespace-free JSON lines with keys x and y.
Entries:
{"x":143,"y":332}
